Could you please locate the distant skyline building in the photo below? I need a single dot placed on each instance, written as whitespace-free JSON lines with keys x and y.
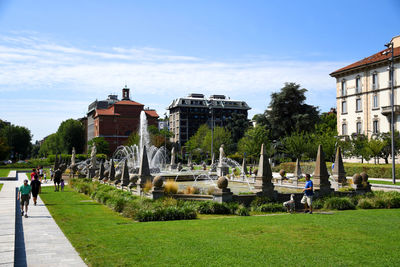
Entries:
{"x":363,"y":93}
{"x":116,"y":119}
{"x":186,"y":114}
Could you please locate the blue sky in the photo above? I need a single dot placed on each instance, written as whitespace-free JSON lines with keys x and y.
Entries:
{"x":58,"y":56}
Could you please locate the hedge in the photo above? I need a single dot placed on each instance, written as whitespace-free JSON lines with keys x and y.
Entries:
{"x":373,"y":170}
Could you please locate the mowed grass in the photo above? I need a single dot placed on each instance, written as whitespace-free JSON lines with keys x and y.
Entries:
{"x":1,"y":186}
{"x":4,"y":172}
{"x":348,"y":238}
{"x":383,"y":182}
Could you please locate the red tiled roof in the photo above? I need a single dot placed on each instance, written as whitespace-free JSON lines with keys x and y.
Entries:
{"x":369,"y":60}
{"x":106,"y":112}
{"x":128,"y":102}
{"x":151,"y":113}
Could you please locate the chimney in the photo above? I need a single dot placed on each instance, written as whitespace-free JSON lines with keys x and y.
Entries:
{"x":125,"y":93}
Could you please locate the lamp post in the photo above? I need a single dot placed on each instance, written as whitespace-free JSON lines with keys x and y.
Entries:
{"x":391,"y":67}
{"x":165,"y":137}
{"x":210,"y":106}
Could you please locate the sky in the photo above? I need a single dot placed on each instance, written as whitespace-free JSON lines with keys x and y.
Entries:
{"x":56,"y":57}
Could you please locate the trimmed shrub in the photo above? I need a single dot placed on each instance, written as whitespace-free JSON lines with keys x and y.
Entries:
{"x":339,"y":203}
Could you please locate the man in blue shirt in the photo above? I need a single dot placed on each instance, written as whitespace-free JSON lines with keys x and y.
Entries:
{"x":308,"y":195}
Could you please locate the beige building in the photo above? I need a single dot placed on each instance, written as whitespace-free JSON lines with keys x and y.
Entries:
{"x":363,"y":93}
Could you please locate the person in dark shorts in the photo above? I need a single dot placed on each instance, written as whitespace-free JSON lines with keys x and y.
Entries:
{"x":57,"y":179}
{"x":36,"y":189}
{"x":24,"y":194}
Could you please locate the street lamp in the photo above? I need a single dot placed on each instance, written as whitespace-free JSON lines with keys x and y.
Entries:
{"x":391,"y":67}
{"x":210,"y":106}
{"x":165,"y":125}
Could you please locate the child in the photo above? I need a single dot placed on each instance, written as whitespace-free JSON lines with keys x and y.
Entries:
{"x":62,"y":184}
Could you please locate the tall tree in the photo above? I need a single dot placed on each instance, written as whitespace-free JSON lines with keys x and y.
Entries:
{"x":101,"y":144}
{"x":237,"y":124}
{"x":71,"y":134}
{"x":287,"y":112}
{"x":51,"y":145}
{"x":252,"y":141}
{"x":220,"y":136}
{"x":18,"y":140}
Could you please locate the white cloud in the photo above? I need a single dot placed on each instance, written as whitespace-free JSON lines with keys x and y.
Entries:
{"x":29,"y":65}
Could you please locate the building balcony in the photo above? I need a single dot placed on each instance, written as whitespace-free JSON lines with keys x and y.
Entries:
{"x":387,"y":110}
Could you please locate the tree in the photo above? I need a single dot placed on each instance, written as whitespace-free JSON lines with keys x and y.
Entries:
{"x":18,"y":139}
{"x":221,"y":136}
{"x":102,"y":146}
{"x":252,"y":141}
{"x":387,"y":149}
{"x":287,"y":112}
{"x":297,"y":144}
{"x":4,"y":148}
{"x":237,"y":124}
{"x":51,"y":145}
{"x":194,"y":144}
{"x":71,"y":134}
{"x":376,"y":146}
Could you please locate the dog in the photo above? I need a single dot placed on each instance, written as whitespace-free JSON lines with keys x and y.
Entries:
{"x":290,"y":205}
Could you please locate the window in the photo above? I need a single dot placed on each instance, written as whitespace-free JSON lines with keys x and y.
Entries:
{"x":374,"y":81}
{"x":344,"y":107}
{"x":375,"y":126}
{"x":358,"y":127}
{"x":358,"y":104}
{"x":358,"y":84}
{"x":343,"y":87}
{"x":344,"y":129}
{"x":375,"y":103}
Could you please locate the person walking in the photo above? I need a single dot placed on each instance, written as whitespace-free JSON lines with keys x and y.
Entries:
{"x":24,"y":194}
{"x":36,"y":187}
{"x":308,"y":195}
{"x":57,"y":179}
{"x":33,"y":173}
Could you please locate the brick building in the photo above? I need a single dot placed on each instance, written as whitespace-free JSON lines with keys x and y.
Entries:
{"x":116,"y":119}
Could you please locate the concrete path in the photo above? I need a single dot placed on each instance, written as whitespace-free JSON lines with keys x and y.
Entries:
{"x":36,"y":240}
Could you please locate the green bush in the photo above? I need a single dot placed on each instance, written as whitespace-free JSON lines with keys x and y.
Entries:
{"x":258,"y":201}
{"x":339,"y":203}
{"x":211,"y":207}
{"x":242,"y":211}
{"x":373,"y":170}
{"x":318,"y":203}
{"x":365,"y":203}
{"x":271,"y":207}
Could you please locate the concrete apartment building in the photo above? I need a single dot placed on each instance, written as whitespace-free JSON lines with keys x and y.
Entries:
{"x":186,"y":114}
{"x":363,"y":93}
{"x":116,"y":119}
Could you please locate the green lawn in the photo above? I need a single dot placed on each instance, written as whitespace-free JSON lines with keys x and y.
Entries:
{"x":1,"y":185}
{"x":348,"y":238}
{"x":4,"y":172}
{"x":383,"y":182}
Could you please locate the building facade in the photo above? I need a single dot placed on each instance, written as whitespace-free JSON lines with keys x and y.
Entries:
{"x":116,"y":119}
{"x":186,"y":114}
{"x":363,"y":94}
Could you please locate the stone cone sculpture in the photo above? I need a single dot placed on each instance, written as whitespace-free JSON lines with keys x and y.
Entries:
{"x":125,"y":174}
{"x":264,"y":176}
{"x":338,"y":171}
{"x":144,"y":170}
{"x":101,"y":171}
{"x":321,"y":176}
{"x":297,"y":170}
{"x":112,"y":171}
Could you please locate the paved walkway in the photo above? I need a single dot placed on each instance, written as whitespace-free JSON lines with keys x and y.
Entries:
{"x":33,"y":241}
